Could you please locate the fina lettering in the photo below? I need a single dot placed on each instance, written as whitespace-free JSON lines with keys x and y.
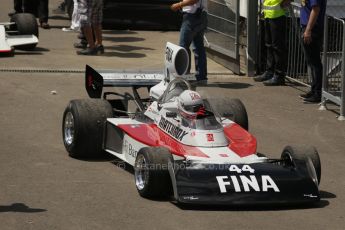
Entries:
{"x":172,"y":129}
{"x":243,"y":183}
{"x":168,"y":54}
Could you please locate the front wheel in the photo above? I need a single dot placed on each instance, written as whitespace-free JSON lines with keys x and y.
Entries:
{"x":303,"y":152}
{"x":151,"y":172}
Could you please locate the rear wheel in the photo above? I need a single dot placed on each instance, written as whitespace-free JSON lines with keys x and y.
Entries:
{"x":25,"y":24}
{"x":83,"y":127}
{"x":151,"y":172}
{"x":232,"y":109}
{"x":303,"y":152}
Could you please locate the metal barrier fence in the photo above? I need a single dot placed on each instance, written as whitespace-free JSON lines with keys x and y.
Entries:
{"x":296,"y":67}
{"x":222,"y":33}
{"x":333,"y":62}
{"x":333,"y":86}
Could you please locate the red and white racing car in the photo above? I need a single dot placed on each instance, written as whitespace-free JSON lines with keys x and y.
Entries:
{"x":197,"y":149}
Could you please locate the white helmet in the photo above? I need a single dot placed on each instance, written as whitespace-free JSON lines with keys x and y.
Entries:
{"x":190,"y":104}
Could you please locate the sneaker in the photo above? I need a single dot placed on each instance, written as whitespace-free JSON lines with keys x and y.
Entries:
{"x":80,"y":45}
{"x":275,"y":81}
{"x":68,"y":29}
{"x":100,"y":49}
{"x":264,"y":77}
{"x":313,"y":99}
{"x":306,"y":95}
{"x":88,"y":51}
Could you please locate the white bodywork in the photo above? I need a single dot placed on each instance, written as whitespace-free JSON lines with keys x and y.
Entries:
{"x":8,"y":42}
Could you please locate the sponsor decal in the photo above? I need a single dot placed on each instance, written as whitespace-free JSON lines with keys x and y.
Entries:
{"x":210,"y":137}
{"x":172,"y":129}
{"x":190,"y":198}
{"x":131,"y":151}
{"x":194,"y":96}
{"x":244,"y":183}
{"x":169,"y":54}
{"x":310,"y":195}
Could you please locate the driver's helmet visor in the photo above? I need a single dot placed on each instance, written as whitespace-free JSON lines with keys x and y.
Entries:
{"x":192,"y":111}
{"x":193,"y":108}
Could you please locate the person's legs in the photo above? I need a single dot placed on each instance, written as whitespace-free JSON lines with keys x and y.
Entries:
{"x":312,"y":53}
{"x":200,"y":57}
{"x":186,"y":36}
{"x":75,"y":21}
{"x":18,"y":6}
{"x":87,"y":30}
{"x":199,"y":49}
{"x":85,"y":10}
{"x":313,"y":57}
{"x":43,"y":13}
{"x":97,"y":21}
{"x":278,"y":27}
{"x":31,"y":6}
{"x":270,"y":62}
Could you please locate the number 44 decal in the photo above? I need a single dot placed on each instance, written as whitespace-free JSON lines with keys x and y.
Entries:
{"x":245,"y":168}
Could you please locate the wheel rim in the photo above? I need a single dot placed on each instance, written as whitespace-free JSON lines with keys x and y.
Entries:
{"x":141,"y":172}
{"x":69,"y":128}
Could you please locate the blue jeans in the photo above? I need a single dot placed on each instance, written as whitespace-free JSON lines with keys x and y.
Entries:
{"x":192,"y":31}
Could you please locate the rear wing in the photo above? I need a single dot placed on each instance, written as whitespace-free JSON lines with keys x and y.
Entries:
{"x":95,"y":81}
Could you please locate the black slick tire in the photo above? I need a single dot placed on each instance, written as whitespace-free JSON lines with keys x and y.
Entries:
{"x":25,"y":24}
{"x":157,"y":182}
{"x":303,"y":152}
{"x":232,"y":109}
{"x":83,"y":127}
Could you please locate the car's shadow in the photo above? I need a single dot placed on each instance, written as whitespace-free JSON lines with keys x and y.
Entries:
{"x":228,"y":85}
{"x":267,"y":207}
{"x":123,"y":39}
{"x":19,"y":207}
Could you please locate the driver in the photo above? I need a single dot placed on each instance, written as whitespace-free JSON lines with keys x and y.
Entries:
{"x":190,"y":104}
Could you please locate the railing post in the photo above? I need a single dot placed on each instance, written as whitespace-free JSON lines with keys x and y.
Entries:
{"x":342,"y":95}
{"x":252,"y":38}
{"x":324,"y":64}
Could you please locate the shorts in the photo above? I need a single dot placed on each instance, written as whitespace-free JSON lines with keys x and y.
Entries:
{"x":91,"y":12}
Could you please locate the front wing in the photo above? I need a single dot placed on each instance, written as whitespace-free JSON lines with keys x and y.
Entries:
{"x":258,"y":183}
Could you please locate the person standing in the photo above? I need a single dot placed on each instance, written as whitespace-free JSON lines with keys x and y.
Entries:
{"x":192,"y":32}
{"x":43,"y":13}
{"x":275,"y":42}
{"x":312,"y":23}
{"x":91,"y":15}
{"x":24,"y":6}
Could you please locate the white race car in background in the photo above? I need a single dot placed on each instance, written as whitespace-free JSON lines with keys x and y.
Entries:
{"x":20,"y":33}
{"x":197,"y":149}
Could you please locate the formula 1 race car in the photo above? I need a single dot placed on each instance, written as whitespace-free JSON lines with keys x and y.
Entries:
{"x":20,"y":33}
{"x":197,"y":149}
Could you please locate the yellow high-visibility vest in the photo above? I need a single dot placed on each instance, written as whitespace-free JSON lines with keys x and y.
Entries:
{"x":272,"y":8}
